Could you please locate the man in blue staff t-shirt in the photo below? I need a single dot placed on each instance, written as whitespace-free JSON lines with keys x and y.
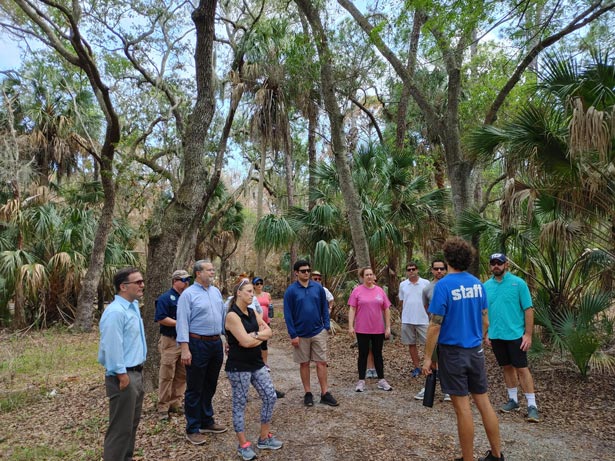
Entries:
{"x":458,"y":324}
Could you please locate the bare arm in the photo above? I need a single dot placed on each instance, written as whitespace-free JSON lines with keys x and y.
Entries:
{"x":486,"y":327}
{"x":526,"y":341}
{"x":352,"y":312}
{"x":387,"y":323}
{"x":168,"y":322}
{"x":433,"y":333}
{"x":245,"y":339}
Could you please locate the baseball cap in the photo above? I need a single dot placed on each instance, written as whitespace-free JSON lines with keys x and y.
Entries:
{"x":255,"y":280}
{"x":498,"y":257}
{"x":180,"y":274}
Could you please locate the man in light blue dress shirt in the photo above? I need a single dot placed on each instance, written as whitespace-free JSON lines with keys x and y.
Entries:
{"x":122,"y":352}
{"x":200,"y":322}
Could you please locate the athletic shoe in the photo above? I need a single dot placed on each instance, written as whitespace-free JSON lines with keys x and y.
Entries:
{"x":360,"y":386}
{"x":213,"y":428}
{"x":416,"y":372}
{"x":382,"y":384}
{"x":196,"y":438}
{"x":279,"y":394}
{"x":447,"y":398}
{"x":420,"y":395}
{"x":489,"y":457}
{"x":246,"y":452}
{"x":509,"y":406}
{"x":371,"y":373}
{"x":270,"y":443}
{"x":328,"y":399}
{"x":308,"y":399}
{"x":532,"y":414}
{"x":267,"y":368}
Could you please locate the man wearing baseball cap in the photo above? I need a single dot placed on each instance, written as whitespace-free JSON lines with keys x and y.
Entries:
{"x":317,"y":277}
{"x":172,"y":374}
{"x":511,"y":324}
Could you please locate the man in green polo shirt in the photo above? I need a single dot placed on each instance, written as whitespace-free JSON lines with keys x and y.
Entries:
{"x":511,"y":324}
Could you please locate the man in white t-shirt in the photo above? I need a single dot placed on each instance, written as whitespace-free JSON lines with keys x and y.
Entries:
{"x":414,"y":318}
{"x":317,"y":277}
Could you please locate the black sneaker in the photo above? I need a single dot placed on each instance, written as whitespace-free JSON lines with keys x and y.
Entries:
{"x":279,"y":394}
{"x":308,"y":399}
{"x":489,"y":457}
{"x":328,"y":399}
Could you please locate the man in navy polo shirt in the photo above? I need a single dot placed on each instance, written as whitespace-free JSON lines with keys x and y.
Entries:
{"x":172,"y":373}
{"x":306,"y":312}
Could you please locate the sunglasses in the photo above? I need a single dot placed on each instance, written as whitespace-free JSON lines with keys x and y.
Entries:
{"x":184,"y":279}
{"x":439,"y":268}
{"x":496,"y":263}
{"x":304,"y":271}
{"x":136,"y":282}
{"x":258,"y":283}
{"x":316,"y":279}
{"x":410,"y":269}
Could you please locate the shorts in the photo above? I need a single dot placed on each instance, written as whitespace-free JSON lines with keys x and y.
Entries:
{"x":264,"y":346}
{"x":509,"y":352}
{"x":311,"y":349}
{"x":462,"y":370}
{"x":413,"y":334}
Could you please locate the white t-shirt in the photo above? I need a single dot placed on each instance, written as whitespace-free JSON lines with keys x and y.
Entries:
{"x":413,"y":311}
{"x":329,"y":295}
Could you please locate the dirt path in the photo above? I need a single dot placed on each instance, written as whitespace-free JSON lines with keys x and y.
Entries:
{"x":375,"y":425}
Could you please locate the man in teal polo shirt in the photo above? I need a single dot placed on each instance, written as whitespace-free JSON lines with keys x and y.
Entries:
{"x":511,"y":324}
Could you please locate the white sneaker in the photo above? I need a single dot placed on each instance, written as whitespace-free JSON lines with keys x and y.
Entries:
{"x":420,"y":395}
{"x":447,"y":398}
{"x":360,"y":386}
{"x":371,"y":373}
{"x":382,"y":384}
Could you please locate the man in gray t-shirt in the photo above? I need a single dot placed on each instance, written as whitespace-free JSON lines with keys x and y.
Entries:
{"x":438,"y":269}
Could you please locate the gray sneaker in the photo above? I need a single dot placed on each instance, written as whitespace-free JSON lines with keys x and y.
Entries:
{"x":371,"y":373}
{"x":509,"y":406}
{"x":420,"y":395}
{"x":270,"y":443}
{"x":382,"y":384}
{"x":360,"y":386}
{"x":246,"y":453}
{"x":532,"y":414}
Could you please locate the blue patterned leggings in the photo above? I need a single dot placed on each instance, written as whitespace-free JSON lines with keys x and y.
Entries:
{"x":240,"y":383}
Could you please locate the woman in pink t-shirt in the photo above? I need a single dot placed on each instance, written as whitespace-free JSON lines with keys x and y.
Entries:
{"x":370,"y":319}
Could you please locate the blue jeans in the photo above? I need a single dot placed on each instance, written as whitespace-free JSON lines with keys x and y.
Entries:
{"x":201,"y":383}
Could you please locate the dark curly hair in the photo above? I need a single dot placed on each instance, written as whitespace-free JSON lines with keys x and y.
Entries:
{"x":458,"y":253}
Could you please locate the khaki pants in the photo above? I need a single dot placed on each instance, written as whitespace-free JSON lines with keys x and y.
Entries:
{"x":172,"y":375}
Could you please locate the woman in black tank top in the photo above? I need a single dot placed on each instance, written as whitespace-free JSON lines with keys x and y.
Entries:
{"x":245,"y":332}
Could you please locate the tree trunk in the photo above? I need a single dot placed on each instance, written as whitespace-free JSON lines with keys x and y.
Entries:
{"x":260,"y":197}
{"x":311,"y":147}
{"x":172,"y":243}
{"x":349,"y":193}
{"x":91,"y":280}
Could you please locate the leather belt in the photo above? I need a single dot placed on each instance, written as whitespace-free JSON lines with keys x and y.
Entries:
{"x":135,"y":368}
{"x":204,"y":338}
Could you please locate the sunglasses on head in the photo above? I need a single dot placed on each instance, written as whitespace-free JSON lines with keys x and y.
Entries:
{"x":304,"y":271}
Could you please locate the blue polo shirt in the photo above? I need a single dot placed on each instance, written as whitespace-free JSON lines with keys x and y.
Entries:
{"x":166,"y":306}
{"x":460,"y":298}
{"x":508,"y":301}
{"x":306,"y":310}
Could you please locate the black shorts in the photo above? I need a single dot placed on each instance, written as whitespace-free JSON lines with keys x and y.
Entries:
{"x":509,"y":352}
{"x":264,"y":346}
{"x":462,"y":370}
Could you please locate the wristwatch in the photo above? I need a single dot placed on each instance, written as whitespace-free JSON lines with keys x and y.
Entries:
{"x":256,"y":334}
